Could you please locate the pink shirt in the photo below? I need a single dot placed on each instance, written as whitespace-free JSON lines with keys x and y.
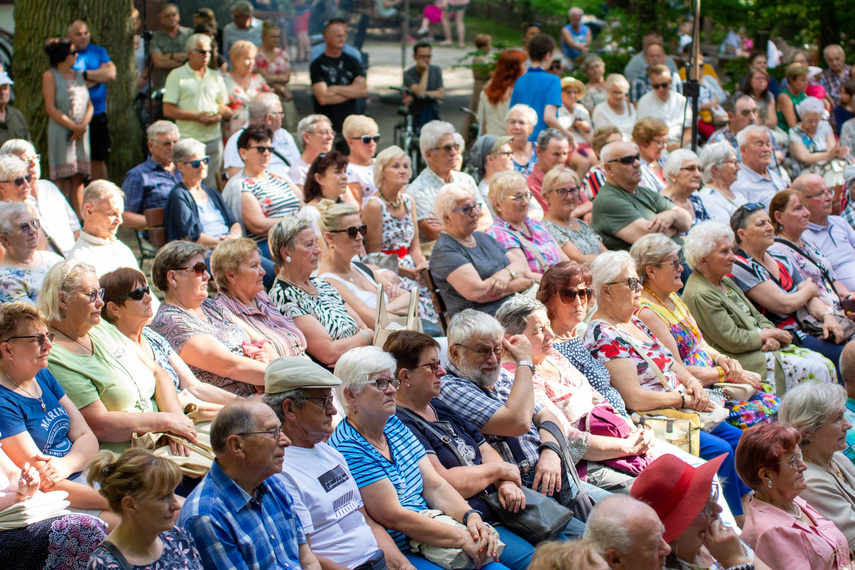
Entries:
{"x":782,"y":541}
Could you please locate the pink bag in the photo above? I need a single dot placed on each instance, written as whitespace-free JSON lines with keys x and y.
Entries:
{"x":433,"y":14}
{"x":603,"y":420}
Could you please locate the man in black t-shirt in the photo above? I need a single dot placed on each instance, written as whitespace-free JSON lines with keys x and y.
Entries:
{"x":424,"y":80}
{"x":338,"y":79}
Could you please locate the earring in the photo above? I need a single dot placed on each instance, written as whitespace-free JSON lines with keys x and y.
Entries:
{"x":287,"y":259}
{"x":770,"y":483}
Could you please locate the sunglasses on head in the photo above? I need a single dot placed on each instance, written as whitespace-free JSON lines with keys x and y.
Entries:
{"x":569,"y":296}
{"x":352,"y":231}
{"x":199,"y":268}
{"x":19,"y":181}
{"x":136,"y":294}
{"x":627,"y":159}
{"x":367,"y":139}
{"x":753,"y":207}
{"x":198,"y":163}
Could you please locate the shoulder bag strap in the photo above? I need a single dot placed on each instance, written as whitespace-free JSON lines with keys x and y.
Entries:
{"x":282,"y":158}
{"x":559,"y":436}
{"x":533,"y":250}
{"x":443,"y":437}
{"x":638,"y":349}
{"x":825,"y":276}
{"x":114,"y":550}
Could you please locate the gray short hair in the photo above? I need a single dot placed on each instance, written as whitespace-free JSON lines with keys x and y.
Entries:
{"x":713,"y":156}
{"x":810,"y":405}
{"x":607,"y":528}
{"x":17,"y":147}
{"x":432,"y":133}
{"x":194,"y":40}
{"x":703,"y":239}
{"x":743,"y":135}
{"x":514,"y":313}
{"x":607,"y":266}
{"x":469,"y":323}
{"x":100,"y":191}
{"x":447,"y":197}
{"x":262,"y":104}
{"x":546,"y":136}
{"x":355,"y":367}
{"x":675,"y":162}
{"x":384,"y":157}
{"x":650,"y":250}
{"x":232,"y":420}
{"x":64,"y":276}
{"x":810,"y":105}
{"x":284,"y":234}
{"x":12,"y":167}
{"x":172,"y":256}
{"x":306,"y":125}
{"x":298,"y":395}
{"x":242,"y":7}
{"x":11,"y":211}
{"x":502,"y":183}
{"x":617,"y":80}
{"x":158,"y":128}
{"x":185,"y":149}
{"x":530,"y":114}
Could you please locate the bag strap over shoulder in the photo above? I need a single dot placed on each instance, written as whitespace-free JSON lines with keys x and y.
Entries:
{"x":825,"y":276}
{"x":529,"y":246}
{"x":640,"y":351}
{"x":117,"y":554}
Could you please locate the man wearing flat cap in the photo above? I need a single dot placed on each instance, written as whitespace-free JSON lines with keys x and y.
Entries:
{"x":325,"y":496}
{"x":491,"y":154}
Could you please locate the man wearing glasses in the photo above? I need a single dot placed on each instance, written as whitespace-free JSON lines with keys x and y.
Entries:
{"x":240,"y":515}
{"x":325,"y":496}
{"x":424,"y":80}
{"x":624,"y":211}
{"x":654,"y":55}
{"x":197,"y":99}
{"x":664,"y":103}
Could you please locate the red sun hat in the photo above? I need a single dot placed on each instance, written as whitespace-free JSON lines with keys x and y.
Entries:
{"x":677,"y":491}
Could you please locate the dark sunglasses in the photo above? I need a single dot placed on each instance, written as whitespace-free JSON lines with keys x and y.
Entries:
{"x":467,"y":210}
{"x":627,"y":159}
{"x":204,"y":51}
{"x":366,"y":139}
{"x":40,"y":338}
{"x":136,"y":294}
{"x":634,"y":283}
{"x":447,"y":148}
{"x":29,"y":227}
{"x":352,"y":231}
{"x":660,"y":85}
{"x":19,"y":181}
{"x":569,"y":296}
{"x":263,"y":149}
{"x":200,"y":268}
{"x":198,"y":163}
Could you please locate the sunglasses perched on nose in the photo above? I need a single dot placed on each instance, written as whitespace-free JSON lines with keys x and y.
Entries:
{"x":467,"y":210}
{"x":198,"y":163}
{"x":136,"y":294}
{"x":199,"y":268}
{"x":569,"y":296}
{"x":627,"y":160}
{"x":19,"y":181}
{"x":661,"y":85}
{"x":366,"y":139}
{"x":352,"y":231}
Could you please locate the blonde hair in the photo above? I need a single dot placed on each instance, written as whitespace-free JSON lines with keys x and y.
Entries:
{"x":502,"y":183}
{"x":556,"y":555}
{"x":617,"y":80}
{"x":240,"y":47}
{"x":356,"y":125}
{"x":64,"y":276}
{"x":384,"y":157}
{"x":228,"y":256}
{"x":332,"y":213}
{"x":556,"y":177}
{"x":447,"y":198}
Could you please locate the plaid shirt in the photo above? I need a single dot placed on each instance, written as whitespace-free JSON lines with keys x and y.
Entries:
{"x":833,"y":82}
{"x":147,"y":185}
{"x":234,"y":530}
{"x":540,"y":240}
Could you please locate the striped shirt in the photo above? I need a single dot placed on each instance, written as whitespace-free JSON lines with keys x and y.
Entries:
{"x":275,"y":195}
{"x":368,"y":466}
{"x":268,"y":322}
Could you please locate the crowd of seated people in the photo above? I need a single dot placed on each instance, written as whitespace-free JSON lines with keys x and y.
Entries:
{"x":591,"y":266}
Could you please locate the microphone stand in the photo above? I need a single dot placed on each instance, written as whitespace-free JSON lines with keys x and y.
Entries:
{"x":692,"y":88}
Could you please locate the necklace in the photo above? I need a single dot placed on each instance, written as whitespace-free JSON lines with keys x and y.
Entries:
{"x":655,"y":296}
{"x":90,"y":350}
{"x":395,"y":205}
{"x":30,"y":394}
{"x":679,"y":316}
{"x":289,"y":282}
{"x":798,"y":510}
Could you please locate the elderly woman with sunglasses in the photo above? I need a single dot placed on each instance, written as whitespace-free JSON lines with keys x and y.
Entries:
{"x":471,"y":269}
{"x":731,"y":324}
{"x":665,"y":314}
{"x":362,"y":135}
{"x":391,"y":468}
{"x":119,"y":390}
{"x":219,"y":348}
{"x":194,"y":210}
{"x":627,"y":348}
{"x":128,"y":307}
{"x":23,"y":267}
{"x":776,"y":286}
{"x":578,"y":241}
{"x":14,"y":179}
{"x":525,"y":238}
{"x":650,"y":134}
{"x":782,"y":528}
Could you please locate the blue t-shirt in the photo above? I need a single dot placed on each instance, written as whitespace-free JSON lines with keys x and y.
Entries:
{"x":90,"y":59}
{"x":537,"y":89}
{"x":368,"y":466}
{"x":579,"y":36}
{"x":49,"y":430}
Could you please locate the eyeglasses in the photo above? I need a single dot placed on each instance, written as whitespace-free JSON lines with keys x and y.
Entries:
{"x":366,"y":139}
{"x":94,"y":294}
{"x":794,"y":461}
{"x":136,"y":294}
{"x":564,"y":192}
{"x":675,"y":263}
{"x":166,"y":143}
{"x":730,"y":161}
{"x":504,"y":153}
{"x":204,"y":51}
{"x":661,"y":142}
{"x":569,"y":296}
{"x":197,"y":163}
{"x":324,"y":133}
{"x":709,"y":508}
{"x":499,"y":351}
{"x":40,"y":338}
{"x":29,"y":227}
{"x":520,"y":196}
{"x":199,"y":268}
{"x":384,"y":383}
{"x":325,"y":401}
{"x":434,"y":366}
{"x":33,"y":158}
{"x":467,"y":210}
{"x":825,"y":192}
{"x":694,"y":168}
{"x":627,"y":160}
{"x":658,"y":86}
{"x":448,"y":148}
{"x":19,"y":181}
{"x":263,"y":149}
{"x":634,"y":283}
{"x":274,"y":433}
{"x":352,"y":231}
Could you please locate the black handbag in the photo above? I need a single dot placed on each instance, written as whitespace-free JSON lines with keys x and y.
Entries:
{"x":543,"y":517}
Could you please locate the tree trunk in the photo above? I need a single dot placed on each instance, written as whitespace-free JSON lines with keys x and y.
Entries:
{"x":110,"y":26}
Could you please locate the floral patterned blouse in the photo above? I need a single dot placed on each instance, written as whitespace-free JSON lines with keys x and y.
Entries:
{"x":24,"y":284}
{"x":684,"y":329}
{"x":525,"y":169}
{"x":277,"y":66}
{"x":809,"y":267}
{"x":540,"y":240}
{"x":606,"y":343}
{"x":179,"y":553}
{"x":239,"y":100}
{"x":585,"y":240}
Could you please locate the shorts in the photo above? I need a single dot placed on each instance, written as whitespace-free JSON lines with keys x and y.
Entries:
{"x":453,"y":9}
{"x":301,"y":22}
{"x":99,"y":138}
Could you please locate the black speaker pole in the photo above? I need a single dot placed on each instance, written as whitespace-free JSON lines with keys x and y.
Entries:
{"x":692,"y":87}
{"x":145,"y":37}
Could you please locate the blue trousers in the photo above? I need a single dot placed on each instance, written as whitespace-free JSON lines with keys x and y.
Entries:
{"x":423,"y":564}
{"x":828,"y":349}
{"x":724,"y":439}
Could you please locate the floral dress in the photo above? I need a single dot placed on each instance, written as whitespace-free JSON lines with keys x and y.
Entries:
{"x":278,"y":66}
{"x":239,"y":100}
{"x":809,"y":267}
{"x":397,"y":237}
{"x":763,"y":407}
{"x":585,"y":240}
{"x":525,"y":169}
{"x":24,"y":284}
{"x":179,"y":553}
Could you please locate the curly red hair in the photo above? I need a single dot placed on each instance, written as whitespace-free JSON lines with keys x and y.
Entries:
{"x":509,"y":67}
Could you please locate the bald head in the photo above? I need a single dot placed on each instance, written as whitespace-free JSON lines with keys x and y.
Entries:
{"x":238,"y":416}
{"x":628,"y":533}
{"x":78,"y":34}
{"x":819,"y":199}
{"x":847,"y":368}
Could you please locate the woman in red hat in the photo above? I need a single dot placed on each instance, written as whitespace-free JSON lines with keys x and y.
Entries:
{"x":686,"y":501}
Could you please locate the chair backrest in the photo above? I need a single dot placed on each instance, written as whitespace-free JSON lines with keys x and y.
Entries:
{"x":156,"y":234}
{"x":435,"y":296}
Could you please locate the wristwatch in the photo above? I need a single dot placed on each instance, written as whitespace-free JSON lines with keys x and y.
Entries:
{"x":85,"y":78}
{"x":528,"y":363}
{"x":471,"y":512}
